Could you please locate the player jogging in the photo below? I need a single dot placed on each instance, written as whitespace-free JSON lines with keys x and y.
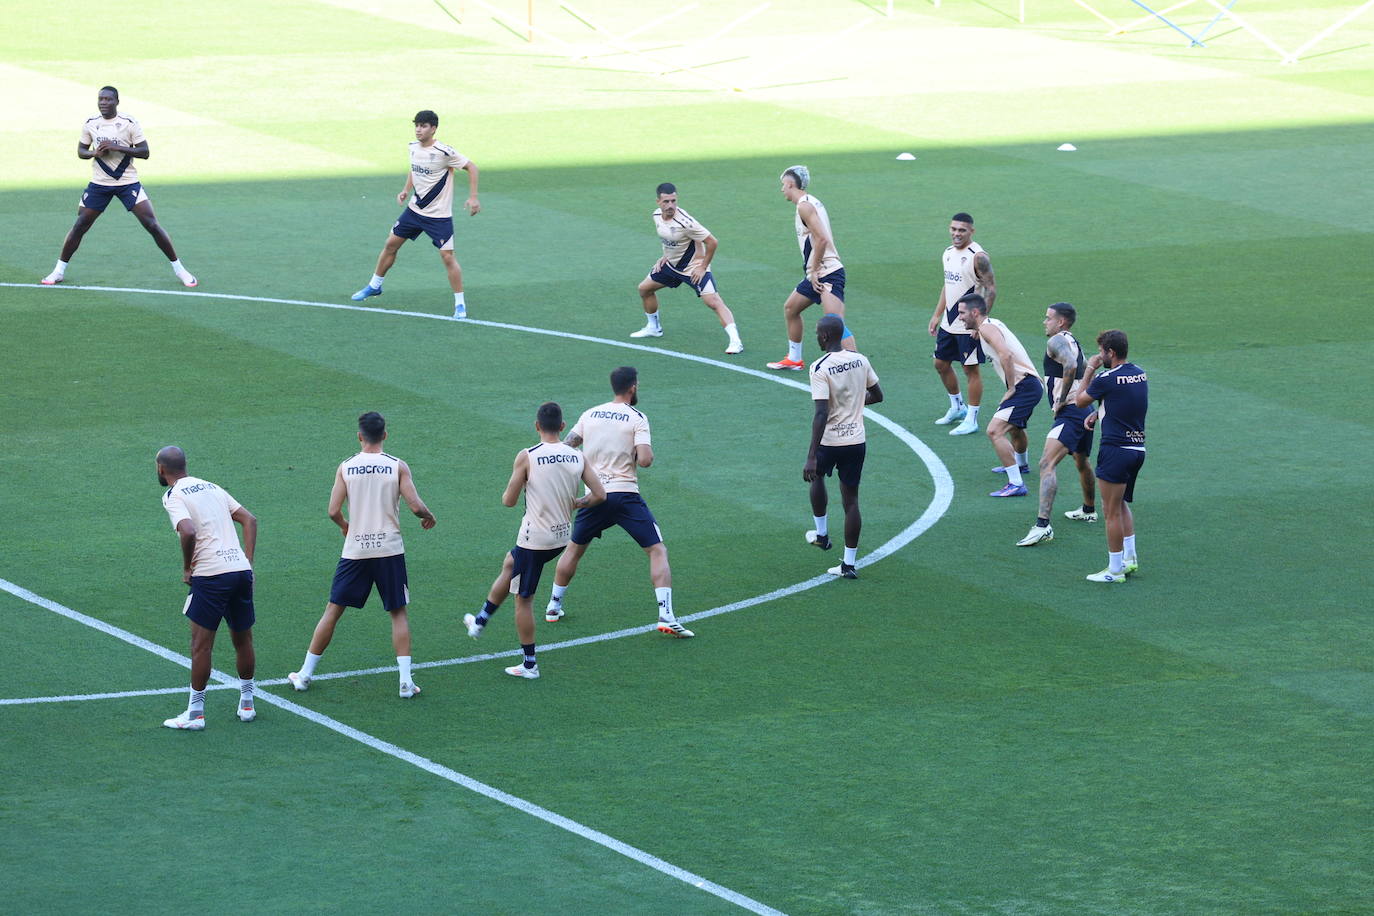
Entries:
{"x":1007,"y":428}
{"x":824,"y":280}
{"x":220,"y":574}
{"x":373,"y":483}
{"x":430,"y":209}
{"x":1124,"y":392}
{"x":687,"y":252}
{"x":1064,"y":367}
{"x":615,"y":441}
{"x":548,"y":473}
{"x":967,"y":269}
{"x":842,"y":383}
{"x":112,"y":142}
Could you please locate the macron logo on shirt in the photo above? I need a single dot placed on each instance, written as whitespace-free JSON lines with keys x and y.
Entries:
{"x":1130,"y":379}
{"x":198,"y":487}
{"x":558,"y":459}
{"x":609,"y":415}
{"x":369,"y":469}
{"x":844,"y":367}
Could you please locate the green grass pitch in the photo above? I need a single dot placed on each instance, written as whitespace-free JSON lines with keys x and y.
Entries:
{"x":968,"y":728}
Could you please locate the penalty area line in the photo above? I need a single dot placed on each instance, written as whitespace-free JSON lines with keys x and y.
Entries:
{"x":400,"y":753}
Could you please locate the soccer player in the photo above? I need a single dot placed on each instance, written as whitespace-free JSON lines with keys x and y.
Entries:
{"x":373,"y":483}
{"x":1125,"y":395}
{"x":615,"y":441}
{"x":824,"y":280}
{"x":112,"y":142}
{"x":548,"y":473}
{"x":220,"y":574}
{"x":842,"y":383}
{"x":1064,"y":367}
{"x":430,"y":209}
{"x":683,"y":262}
{"x":1007,"y":428}
{"x":967,"y":270}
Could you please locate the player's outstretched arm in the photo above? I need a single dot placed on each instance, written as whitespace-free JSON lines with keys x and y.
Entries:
{"x":519,"y":476}
{"x":249,"y":523}
{"x":982,"y":272}
{"x":412,"y":497}
{"x":596,"y":493}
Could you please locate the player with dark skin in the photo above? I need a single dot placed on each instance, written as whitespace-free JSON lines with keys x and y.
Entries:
{"x":108,"y":103}
{"x":829,"y":330}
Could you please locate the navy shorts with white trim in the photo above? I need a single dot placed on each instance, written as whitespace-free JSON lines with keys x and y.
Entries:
{"x":834,"y":278}
{"x":847,"y":459}
{"x":672,"y":278}
{"x":98,"y":196}
{"x":227,"y":597}
{"x":353,"y":581}
{"x":1017,"y":408}
{"x":1069,"y":431}
{"x":411,"y":224}
{"x":1119,"y":464}
{"x":958,"y":348}
{"x":628,"y":510}
{"x":527,"y":566}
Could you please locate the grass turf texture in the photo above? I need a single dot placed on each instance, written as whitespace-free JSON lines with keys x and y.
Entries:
{"x":969,"y":727}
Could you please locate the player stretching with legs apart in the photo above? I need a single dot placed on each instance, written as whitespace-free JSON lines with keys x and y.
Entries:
{"x":112,"y":142}
{"x":430,"y":209}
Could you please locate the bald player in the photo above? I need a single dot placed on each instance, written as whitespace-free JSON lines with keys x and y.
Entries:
{"x":430,"y":209}
{"x":1007,"y":428}
{"x":688,"y":248}
{"x":824,"y":280}
{"x":220,"y":574}
{"x":112,"y":142}
{"x":842,"y":384}
{"x":615,"y":441}
{"x":373,"y":484}
{"x":548,"y":473}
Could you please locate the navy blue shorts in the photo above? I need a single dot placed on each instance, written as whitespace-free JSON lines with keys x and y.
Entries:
{"x":1017,"y":408}
{"x":228,"y":597}
{"x":672,"y":278}
{"x":527,"y":567}
{"x":847,"y":459}
{"x":628,"y":510}
{"x":836,"y":281}
{"x":1069,"y":431}
{"x":439,"y":229}
{"x":1117,"y":464}
{"x":98,"y":196}
{"x":959,"y":348}
{"x":353,"y":581}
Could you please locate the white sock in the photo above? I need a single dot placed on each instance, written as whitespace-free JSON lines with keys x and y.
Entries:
{"x":1022,"y":458}
{"x":794,"y":350}
{"x":197,"y":705}
{"x":851,"y":554}
{"x":973,"y":412}
{"x":61,"y":267}
{"x":558,"y":592}
{"x":457,"y":300}
{"x":375,"y":282}
{"x":308,"y":666}
{"x":1128,"y":546}
{"x":822,"y":523}
{"x":731,"y":331}
{"x":1014,"y":474}
{"x":1114,"y":563}
{"x":177,"y":268}
{"x":956,"y":400}
{"x":246,"y":692}
{"x":404,"y":662}
{"x":665,"y":602}
{"x":651,"y":318}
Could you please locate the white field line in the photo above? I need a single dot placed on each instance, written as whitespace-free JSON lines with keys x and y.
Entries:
{"x":939,"y":504}
{"x":429,"y":766}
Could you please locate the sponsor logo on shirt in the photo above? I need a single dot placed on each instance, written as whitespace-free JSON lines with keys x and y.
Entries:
{"x":558,"y":459}
{"x":1130,"y":379}
{"x":844,"y":367}
{"x":198,"y":487}
{"x":370,"y":469}
{"x":609,"y":415}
